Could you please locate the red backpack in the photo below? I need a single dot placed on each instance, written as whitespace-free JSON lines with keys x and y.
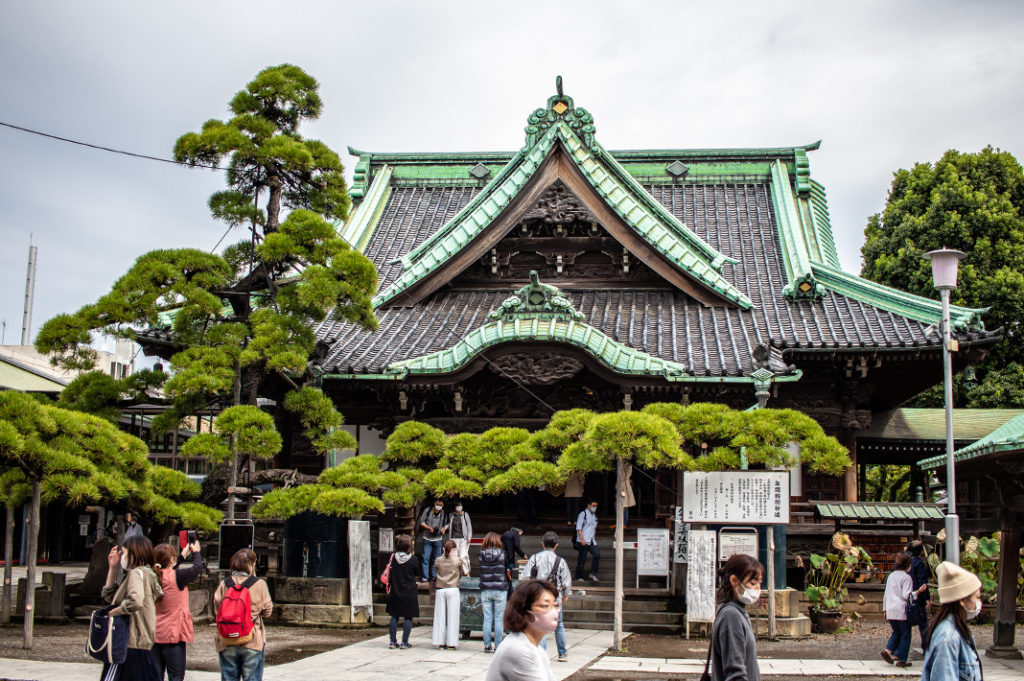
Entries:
{"x":234,"y":616}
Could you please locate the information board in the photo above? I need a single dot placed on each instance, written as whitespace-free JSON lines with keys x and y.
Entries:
{"x":746,"y":497}
{"x":680,"y":538}
{"x":700,"y":577}
{"x":652,"y":551}
{"x":735,"y":540}
{"x":385,"y":540}
{"x":360,"y":576}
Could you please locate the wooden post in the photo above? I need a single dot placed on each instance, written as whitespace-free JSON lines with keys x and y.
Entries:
{"x":31,"y":550}
{"x":1006,"y":600}
{"x":620,"y":493}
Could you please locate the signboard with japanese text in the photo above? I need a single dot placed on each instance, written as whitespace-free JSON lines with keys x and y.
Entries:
{"x":747,"y":497}
{"x":385,"y":539}
{"x":700,"y":576}
{"x":652,"y":552}
{"x":736,"y":540}
{"x":680,"y":538}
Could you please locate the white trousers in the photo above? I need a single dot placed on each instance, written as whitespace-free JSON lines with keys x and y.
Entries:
{"x":446,"y":617}
{"x":462,"y":547}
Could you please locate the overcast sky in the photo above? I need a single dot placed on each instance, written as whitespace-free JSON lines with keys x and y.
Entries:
{"x":883,"y":84}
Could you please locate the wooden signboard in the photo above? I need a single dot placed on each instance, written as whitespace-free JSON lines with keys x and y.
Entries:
{"x":652,"y":553}
{"x":740,"y":497}
{"x":360,"y":574}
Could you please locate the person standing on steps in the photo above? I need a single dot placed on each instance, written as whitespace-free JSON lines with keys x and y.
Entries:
{"x":733,"y":647}
{"x":461,"y":533}
{"x":549,"y":565}
{"x":586,"y":541}
{"x":494,"y":584}
{"x":573,"y":497}
{"x":920,"y":574}
{"x":510,"y":542}
{"x":898,"y":591}
{"x":434,"y":524}
{"x":403,"y":598}
{"x":950,"y":653}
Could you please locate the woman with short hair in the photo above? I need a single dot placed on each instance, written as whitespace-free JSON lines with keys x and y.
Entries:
{"x":135,"y":596}
{"x":494,"y":582}
{"x":530,"y":615}
{"x":950,"y":653}
{"x":446,"y":600}
{"x":733,"y":647}
{"x":403,"y":599}
{"x":899,"y":587}
{"x":245,"y":662}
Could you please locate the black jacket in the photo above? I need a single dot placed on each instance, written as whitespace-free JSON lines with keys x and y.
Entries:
{"x":492,"y":570}
{"x":510,"y":540}
{"x":734,"y":651}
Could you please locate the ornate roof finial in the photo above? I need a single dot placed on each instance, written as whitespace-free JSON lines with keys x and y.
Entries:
{"x":558,"y":86}
{"x":560,"y":108}
{"x":537,"y":299}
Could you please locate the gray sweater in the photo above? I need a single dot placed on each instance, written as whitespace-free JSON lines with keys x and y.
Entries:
{"x":733,"y":649}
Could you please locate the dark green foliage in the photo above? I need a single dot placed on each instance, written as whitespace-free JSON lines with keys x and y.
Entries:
{"x":413,"y":442}
{"x":320,"y":420}
{"x":970,"y":202}
{"x":93,"y":392}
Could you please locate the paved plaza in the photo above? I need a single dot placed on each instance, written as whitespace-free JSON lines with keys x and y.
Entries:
{"x":373,"y":661}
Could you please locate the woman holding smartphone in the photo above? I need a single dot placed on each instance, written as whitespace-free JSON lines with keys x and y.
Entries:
{"x":173,"y":618}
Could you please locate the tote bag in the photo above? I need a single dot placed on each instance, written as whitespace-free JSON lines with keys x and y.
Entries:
{"x":108,"y":636}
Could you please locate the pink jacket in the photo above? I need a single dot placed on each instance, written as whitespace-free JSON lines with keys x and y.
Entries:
{"x":173,"y":619}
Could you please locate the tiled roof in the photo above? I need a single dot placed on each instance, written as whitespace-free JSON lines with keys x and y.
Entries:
{"x":1008,"y":437}
{"x":877,"y":510}
{"x":735,"y":219}
{"x":930,"y":424}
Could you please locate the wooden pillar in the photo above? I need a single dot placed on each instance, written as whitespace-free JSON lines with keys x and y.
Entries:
{"x":849,"y":440}
{"x":1006,"y":601}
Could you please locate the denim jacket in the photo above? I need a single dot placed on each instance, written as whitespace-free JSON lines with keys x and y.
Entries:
{"x":949,"y":657}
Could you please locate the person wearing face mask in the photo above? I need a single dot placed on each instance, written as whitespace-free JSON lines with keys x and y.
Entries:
{"x":733,"y":650}
{"x":135,"y":596}
{"x":586,"y":541}
{"x":461,"y":533}
{"x":530,"y":615}
{"x":131,"y":526}
{"x":950,"y":653}
{"x":245,"y":662}
{"x":173,"y":619}
{"x":434,"y":523}
{"x":899,"y":588}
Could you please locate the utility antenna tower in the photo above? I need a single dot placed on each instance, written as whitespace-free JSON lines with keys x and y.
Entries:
{"x":30,"y":289}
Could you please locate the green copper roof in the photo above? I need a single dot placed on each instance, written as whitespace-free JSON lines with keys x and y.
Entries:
{"x":357,"y":230}
{"x":793,"y":238}
{"x":562,"y":123}
{"x":1008,"y":437}
{"x":899,"y":302}
{"x":877,"y":510}
{"x":910,"y":423}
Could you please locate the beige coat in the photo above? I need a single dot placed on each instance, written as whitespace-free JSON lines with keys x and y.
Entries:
{"x":261,"y":605}
{"x":630,"y":500}
{"x":574,"y":485}
{"x":449,"y":571}
{"x":137,"y":595}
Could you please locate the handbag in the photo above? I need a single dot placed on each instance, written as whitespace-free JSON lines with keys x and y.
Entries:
{"x":385,"y":577}
{"x":911,"y":611}
{"x":108,"y":636}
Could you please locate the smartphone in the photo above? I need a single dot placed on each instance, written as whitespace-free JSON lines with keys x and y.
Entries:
{"x":186,"y":537}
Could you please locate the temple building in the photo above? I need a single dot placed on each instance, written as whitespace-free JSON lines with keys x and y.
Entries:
{"x":565,"y":275}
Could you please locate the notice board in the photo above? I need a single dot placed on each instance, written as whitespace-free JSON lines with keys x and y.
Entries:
{"x":700,"y":576}
{"x":740,"y":497}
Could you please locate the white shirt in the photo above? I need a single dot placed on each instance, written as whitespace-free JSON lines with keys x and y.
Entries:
{"x":898,"y":586}
{"x":517,"y":659}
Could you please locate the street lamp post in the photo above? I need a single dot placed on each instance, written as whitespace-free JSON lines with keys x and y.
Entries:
{"x":944,"y":270}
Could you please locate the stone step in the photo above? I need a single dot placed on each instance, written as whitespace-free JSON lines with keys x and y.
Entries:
{"x":663,"y":623}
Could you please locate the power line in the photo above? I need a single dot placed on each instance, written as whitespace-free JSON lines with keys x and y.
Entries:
{"x":110,"y":149}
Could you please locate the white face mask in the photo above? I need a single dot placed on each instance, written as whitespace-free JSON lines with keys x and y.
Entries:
{"x":593,"y":509}
{"x":458,"y":509}
{"x":546,"y":622}
{"x":124,"y":561}
{"x":749,"y":596}
{"x":972,"y":613}
{"x":438,"y":508}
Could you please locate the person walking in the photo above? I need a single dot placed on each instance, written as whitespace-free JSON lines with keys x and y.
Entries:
{"x":173,"y":617}
{"x":434,"y":524}
{"x":733,"y":648}
{"x":919,"y":574}
{"x":461,"y":533}
{"x":135,"y":596}
{"x":549,"y":565}
{"x":510,"y":542}
{"x":245,"y":662}
{"x":494,"y":584}
{"x":950,"y":653}
{"x":447,"y":598}
{"x":531,"y":614}
{"x":403,"y":599}
{"x":586,"y":541}
{"x":899,"y":591}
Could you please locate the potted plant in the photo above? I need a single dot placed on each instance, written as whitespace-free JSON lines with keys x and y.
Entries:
{"x":826,"y":580}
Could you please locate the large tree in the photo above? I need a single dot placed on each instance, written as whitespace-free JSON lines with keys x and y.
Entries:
{"x":974,"y":203}
{"x":238,"y":324}
{"x":67,"y":456}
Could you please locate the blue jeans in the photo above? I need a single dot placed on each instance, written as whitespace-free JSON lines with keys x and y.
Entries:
{"x":559,"y":638}
{"x":238,"y":663}
{"x":581,"y":562}
{"x":899,"y":642}
{"x":393,"y":630}
{"x":493,"y":602}
{"x":431,"y":552}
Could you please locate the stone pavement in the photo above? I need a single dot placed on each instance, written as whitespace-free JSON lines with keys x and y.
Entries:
{"x":995,"y":670}
{"x":365,"y":661}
